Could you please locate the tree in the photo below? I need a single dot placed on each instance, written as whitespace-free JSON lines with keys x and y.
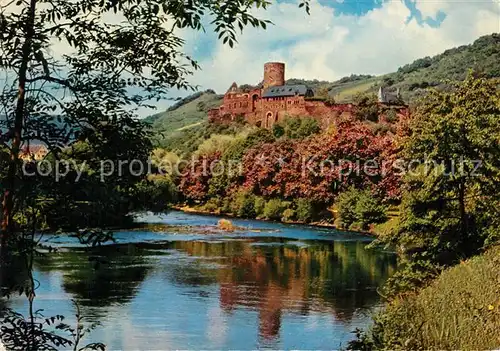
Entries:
{"x":360,"y":207}
{"x":304,"y":210}
{"x":326,"y":164}
{"x":450,"y":200}
{"x":108,"y":67}
{"x":323,"y":93}
{"x":195,"y":182}
{"x":367,"y":108}
{"x":108,"y":164}
{"x":274,"y":209}
{"x":216,"y":143}
{"x":296,"y":128}
{"x":262,"y":164}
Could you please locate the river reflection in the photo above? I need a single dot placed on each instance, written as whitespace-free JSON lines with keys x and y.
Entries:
{"x":241,"y":292}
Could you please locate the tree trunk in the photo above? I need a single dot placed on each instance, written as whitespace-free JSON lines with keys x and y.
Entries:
{"x":463,"y":212}
{"x":7,"y":226}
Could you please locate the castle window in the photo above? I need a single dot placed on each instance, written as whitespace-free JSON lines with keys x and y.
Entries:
{"x":269,"y":120}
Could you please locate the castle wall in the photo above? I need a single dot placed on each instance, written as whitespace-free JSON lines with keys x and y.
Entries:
{"x":321,"y":109}
{"x":236,"y":103}
{"x":276,"y":109}
{"x":265,"y":112}
{"x":327,"y":114}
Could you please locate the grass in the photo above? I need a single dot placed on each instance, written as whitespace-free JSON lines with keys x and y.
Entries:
{"x":190,"y":126}
{"x":347,"y":92}
{"x":459,"y":310}
{"x":188,"y":115}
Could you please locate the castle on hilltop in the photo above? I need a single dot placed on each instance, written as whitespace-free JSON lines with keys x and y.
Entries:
{"x":273,"y":101}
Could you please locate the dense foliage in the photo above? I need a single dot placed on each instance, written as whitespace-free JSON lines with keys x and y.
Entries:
{"x":296,"y":128}
{"x":295,"y":175}
{"x":450,"y":198}
{"x":108,"y":164}
{"x":448,"y":213}
{"x":187,"y":141}
{"x":103,"y":65}
{"x":438,"y":172}
{"x":357,"y":209}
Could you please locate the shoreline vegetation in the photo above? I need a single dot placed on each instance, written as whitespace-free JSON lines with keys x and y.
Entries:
{"x":319,"y":224}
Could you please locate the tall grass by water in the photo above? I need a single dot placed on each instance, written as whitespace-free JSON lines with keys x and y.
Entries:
{"x":460,"y":310}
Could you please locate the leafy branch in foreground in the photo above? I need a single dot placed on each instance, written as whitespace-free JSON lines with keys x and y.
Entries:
{"x":37,"y":332}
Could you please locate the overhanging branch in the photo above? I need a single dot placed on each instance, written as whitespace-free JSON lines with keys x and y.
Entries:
{"x":60,"y":81}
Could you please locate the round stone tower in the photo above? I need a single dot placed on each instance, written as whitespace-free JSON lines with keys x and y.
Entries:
{"x":274,"y":74}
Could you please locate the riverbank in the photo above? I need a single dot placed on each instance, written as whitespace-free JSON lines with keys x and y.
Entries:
{"x":373,"y":232}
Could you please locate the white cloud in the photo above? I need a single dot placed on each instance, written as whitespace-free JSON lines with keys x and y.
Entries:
{"x":326,"y":46}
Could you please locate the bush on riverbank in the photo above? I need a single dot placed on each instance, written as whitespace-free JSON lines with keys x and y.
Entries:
{"x":459,"y":310}
{"x":274,"y":209}
{"x":364,"y":209}
{"x":357,"y":209}
{"x":304,"y":210}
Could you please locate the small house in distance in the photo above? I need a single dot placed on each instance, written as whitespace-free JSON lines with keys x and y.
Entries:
{"x":388,"y":98}
{"x":274,"y":101}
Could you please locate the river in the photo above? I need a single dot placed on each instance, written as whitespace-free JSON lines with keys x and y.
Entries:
{"x":267,"y":285}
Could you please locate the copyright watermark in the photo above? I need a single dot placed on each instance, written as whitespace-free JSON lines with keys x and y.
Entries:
{"x":312,"y":166}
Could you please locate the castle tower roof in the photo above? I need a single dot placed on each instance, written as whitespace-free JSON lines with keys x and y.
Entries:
{"x":233,"y":88}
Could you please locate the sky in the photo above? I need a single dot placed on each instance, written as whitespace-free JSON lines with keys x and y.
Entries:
{"x":339,"y":38}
